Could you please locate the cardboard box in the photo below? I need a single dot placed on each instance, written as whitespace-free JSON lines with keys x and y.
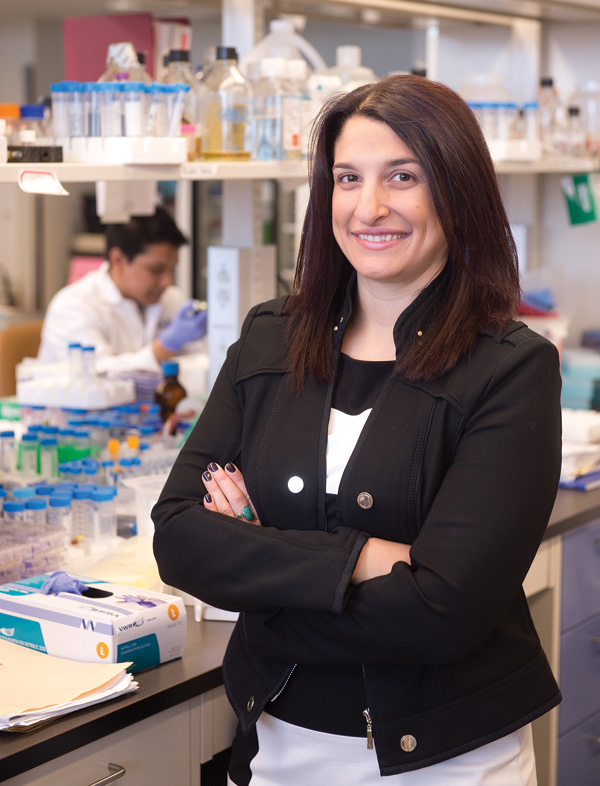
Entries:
{"x":110,"y":623}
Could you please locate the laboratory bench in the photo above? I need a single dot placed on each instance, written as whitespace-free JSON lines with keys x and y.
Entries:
{"x":179,"y":717}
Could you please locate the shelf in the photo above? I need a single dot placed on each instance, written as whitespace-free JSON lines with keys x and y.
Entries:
{"x":197,"y":170}
{"x":556,"y":165}
{"x":249,"y":170}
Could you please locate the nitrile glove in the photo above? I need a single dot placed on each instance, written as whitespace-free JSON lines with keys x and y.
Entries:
{"x":188,"y":324}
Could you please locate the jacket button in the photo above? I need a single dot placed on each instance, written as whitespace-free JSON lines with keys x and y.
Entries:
{"x":365,"y":500}
{"x":408,"y":743}
{"x":250,"y":704}
{"x":295,"y":484}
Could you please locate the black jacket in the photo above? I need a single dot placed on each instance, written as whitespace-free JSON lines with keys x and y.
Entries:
{"x":464,"y":468}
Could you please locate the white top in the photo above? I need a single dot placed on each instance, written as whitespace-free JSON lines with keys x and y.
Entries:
{"x":343,"y":433}
{"x":93,"y":312}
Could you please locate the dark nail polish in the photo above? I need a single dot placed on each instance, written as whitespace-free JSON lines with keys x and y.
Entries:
{"x":207,"y":476}
{"x":213,"y":467}
{"x":230,"y":468}
{"x":208,"y":499}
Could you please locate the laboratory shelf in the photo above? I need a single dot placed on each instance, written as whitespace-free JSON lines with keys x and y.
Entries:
{"x":248,"y":170}
{"x":197,"y":170}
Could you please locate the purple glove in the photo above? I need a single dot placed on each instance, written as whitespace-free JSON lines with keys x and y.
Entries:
{"x":59,"y":581}
{"x":188,"y":324}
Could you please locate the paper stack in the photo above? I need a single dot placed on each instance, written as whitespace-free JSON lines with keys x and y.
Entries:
{"x":35,"y":687}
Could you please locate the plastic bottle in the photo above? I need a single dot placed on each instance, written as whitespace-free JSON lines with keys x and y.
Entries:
{"x":179,"y":72}
{"x":228,"y":97}
{"x":49,"y":457}
{"x":83,"y":514}
{"x":88,"y":364}
{"x":122,"y":64}
{"x":348,"y":66}
{"x":32,"y":118}
{"x":14,"y":510}
{"x":283,"y":41}
{"x":3,"y":142}
{"x":59,"y":513}
{"x":35,"y":510}
{"x":133,"y":105}
{"x":170,"y":391}
{"x":11,"y":113}
{"x":267,"y":139}
{"x":111,"y":124}
{"x":59,"y":96}
{"x":8,"y":454}
{"x":29,"y":454}
{"x":3,"y":495}
{"x":105,"y":514}
{"x":157,"y":115}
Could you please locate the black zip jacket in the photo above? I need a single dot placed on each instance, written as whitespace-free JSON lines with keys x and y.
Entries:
{"x":464,"y":468}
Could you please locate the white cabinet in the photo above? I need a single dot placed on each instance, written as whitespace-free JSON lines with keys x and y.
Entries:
{"x":166,"y":748}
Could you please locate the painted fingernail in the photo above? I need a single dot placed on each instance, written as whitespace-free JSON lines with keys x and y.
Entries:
{"x":213,"y":467}
{"x":207,"y":476}
{"x":230,"y":467}
{"x":208,"y":499}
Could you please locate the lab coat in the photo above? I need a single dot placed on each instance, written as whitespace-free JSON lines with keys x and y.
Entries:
{"x":93,"y":312}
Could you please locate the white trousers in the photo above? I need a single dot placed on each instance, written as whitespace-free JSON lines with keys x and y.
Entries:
{"x":290,"y":755}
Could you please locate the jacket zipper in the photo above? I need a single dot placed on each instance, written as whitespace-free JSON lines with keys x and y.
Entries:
{"x":283,"y":687}
{"x":367,"y":714}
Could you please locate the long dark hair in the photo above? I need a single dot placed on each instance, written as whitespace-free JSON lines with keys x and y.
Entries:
{"x":482,"y":288}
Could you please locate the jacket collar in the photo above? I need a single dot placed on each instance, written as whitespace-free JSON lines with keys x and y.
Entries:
{"x":413,"y":319}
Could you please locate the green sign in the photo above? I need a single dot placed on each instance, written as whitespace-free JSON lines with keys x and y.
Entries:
{"x":582,"y":195}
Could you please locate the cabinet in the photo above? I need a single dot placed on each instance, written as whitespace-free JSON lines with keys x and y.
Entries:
{"x":167,"y":748}
{"x":579,"y":713}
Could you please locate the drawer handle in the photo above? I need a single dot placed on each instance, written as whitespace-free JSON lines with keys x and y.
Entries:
{"x":116,"y":772}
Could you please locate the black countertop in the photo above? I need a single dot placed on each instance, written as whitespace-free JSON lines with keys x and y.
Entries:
{"x":573,"y":508}
{"x":161,"y":687}
{"x":197,"y":672}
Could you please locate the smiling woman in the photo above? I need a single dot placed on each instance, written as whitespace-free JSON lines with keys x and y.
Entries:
{"x":373,"y":489}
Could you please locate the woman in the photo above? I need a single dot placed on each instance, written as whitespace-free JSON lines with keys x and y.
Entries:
{"x":380,"y":456}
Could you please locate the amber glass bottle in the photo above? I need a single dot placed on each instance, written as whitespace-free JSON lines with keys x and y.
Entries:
{"x":170,"y":391}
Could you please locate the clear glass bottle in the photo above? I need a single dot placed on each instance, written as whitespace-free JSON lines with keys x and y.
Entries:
{"x":551,"y":113}
{"x":179,"y":71}
{"x":122,"y":64}
{"x":576,"y":142}
{"x":293,"y":107}
{"x":268,"y":111}
{"x":228,"y":101}
{"x":170,"y":391}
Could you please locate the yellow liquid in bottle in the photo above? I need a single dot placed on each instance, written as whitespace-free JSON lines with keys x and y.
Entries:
{"x":226,"y":134}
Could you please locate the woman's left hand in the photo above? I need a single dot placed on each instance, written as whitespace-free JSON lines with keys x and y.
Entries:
{"x":227,"y":493}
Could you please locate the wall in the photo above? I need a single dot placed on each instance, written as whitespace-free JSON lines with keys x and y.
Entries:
{"x":570,"y":255}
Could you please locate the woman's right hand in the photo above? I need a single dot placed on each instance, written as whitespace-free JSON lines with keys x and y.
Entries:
{"x":378,"y":557}
{"x":227,"y":493}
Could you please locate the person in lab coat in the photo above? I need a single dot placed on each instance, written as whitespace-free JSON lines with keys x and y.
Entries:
{"x":127,"y":309}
